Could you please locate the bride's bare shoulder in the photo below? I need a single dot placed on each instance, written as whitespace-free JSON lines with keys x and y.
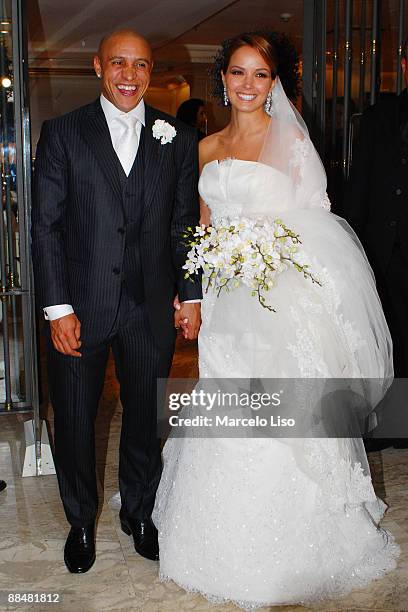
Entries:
{"x":210,"y":147}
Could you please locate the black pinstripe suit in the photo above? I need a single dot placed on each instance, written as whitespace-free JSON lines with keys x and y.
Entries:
{"x":110,"y":246}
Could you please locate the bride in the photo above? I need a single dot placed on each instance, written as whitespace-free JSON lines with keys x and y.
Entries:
{"x":277,"y":521}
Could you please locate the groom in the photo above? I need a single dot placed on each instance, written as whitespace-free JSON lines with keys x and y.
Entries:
{"x":115,"y":187}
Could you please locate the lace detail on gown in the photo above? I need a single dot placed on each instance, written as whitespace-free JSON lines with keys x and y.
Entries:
{"x":264,"y":536}
{"x":300,"y":150}
{"x":310,"y":305}
{"x":326,"y":204}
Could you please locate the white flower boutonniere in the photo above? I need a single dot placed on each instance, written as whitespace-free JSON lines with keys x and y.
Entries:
{"x":163,"y":131}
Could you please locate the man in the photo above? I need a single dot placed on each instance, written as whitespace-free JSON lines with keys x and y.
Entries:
{"x":376,"y":205}
{"x":114,"y":190}
{"x":193,"y":113}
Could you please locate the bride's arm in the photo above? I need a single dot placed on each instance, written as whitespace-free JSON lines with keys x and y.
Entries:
{"x":205,"y":215}
{"x":204,"y":152}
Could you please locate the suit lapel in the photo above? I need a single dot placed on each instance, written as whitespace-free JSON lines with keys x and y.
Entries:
{"x":96,"y":132}
{"x":153,"y":151}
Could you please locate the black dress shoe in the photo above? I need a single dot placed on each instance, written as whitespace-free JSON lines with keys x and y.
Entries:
{"x":79,"y":551}
{"x":373,"y":445}
{"x":144,"y":534}
{"x":400,"y":442}
{"x":3,"y":485}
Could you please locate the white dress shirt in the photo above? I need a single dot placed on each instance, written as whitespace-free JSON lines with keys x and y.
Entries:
{"x":116,"y":131}
{"x":116,"y":128}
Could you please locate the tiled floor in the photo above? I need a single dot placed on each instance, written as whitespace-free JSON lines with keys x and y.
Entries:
{"x":33,"y":530}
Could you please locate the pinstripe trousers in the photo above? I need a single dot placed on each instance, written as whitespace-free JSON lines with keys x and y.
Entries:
{"x":76,"y":385}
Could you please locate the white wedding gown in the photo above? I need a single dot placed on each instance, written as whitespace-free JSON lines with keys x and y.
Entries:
{"x":267,"y":521}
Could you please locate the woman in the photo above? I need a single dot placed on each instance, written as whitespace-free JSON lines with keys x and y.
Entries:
{"x":289,"y":520}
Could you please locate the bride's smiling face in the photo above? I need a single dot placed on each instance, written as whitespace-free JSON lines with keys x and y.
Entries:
{"x":248,"y":79}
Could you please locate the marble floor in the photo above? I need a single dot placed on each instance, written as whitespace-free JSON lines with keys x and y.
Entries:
{"x":33,"y":530}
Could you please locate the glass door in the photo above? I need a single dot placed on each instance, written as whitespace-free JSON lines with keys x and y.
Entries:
{"x":18,"y":371}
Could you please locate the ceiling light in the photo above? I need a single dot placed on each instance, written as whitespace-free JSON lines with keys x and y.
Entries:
{"x":285,"y":16}
{"x":6,"y":82}
{"x":5,"y":26}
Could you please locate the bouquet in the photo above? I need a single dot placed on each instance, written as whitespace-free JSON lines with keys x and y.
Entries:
{"x":243,"y":251}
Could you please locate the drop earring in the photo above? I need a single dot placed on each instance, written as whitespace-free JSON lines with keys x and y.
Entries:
{"x":226,"y":98}
{"x":268,"y":102}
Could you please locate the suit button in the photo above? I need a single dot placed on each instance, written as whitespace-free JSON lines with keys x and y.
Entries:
{"x":393,"y":223}
{"x":121,"y":230}
{"x":404,"y":161}
{"x":398,"y":191}
{"x":116,"y":271}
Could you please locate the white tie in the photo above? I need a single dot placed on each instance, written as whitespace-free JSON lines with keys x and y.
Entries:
{"x":127,"y":141}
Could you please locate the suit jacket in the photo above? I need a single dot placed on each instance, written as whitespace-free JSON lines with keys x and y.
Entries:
{"x":376,"y":203}
{"x":79,"y":224}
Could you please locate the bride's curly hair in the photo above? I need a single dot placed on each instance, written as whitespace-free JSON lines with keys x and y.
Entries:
{"x":275,"y":48}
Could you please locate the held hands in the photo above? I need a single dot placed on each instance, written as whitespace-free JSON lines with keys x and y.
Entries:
{"x":65,"y":335}
{"x":188,"y":318}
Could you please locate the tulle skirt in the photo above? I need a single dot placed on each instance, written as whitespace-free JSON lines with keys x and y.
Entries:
{"x":268,"y":521}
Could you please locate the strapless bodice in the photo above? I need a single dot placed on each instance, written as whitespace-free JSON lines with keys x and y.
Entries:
{"x":234,"y":187}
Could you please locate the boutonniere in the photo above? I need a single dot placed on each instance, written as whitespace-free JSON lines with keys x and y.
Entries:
{"x":163,"y":131}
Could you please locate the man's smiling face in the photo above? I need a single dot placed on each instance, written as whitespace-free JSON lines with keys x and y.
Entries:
{"x":124,"y":62}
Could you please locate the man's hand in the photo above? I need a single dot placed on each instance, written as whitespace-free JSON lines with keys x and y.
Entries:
{"x":65,"y":335}
{"x":188,"y":317}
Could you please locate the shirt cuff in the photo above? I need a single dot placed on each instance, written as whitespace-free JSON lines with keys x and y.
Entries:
{"x":191,"y":302}
{"x":58,"y":311}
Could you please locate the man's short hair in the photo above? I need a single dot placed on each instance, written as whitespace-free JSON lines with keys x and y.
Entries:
{"x":115,"y":33}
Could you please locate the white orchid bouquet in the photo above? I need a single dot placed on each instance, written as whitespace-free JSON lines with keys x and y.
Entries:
{"x":242,"y":251}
